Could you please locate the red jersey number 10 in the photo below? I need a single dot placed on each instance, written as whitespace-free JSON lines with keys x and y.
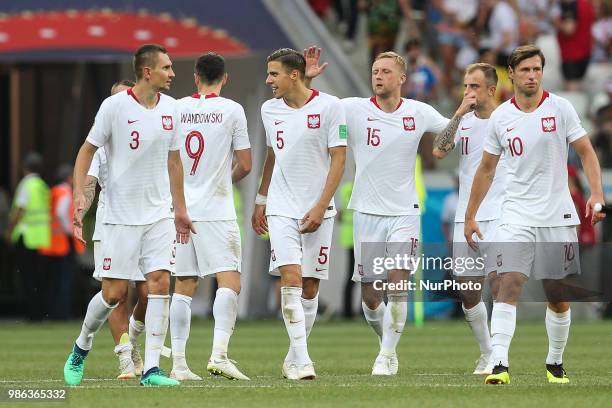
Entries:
{"x":197,"y":153}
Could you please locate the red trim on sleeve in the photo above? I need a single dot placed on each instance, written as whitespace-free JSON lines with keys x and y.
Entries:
{"x":373,"y":100}
{"x":545,"y":95}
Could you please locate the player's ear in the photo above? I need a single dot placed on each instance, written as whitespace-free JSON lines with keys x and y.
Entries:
{"x":402,"y":79}
{"x":492,"y":90}
{"x":196,"y":79}
{"x":225,"y":78}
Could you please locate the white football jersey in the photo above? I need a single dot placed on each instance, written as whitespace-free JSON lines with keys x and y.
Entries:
{"x":469,"y":140}
{"x":301,"y":139}
{"x":210,"y":128}
{"x":99,"y":170}
{"x":136,"y":141}
{"x":535,"y":145}
{"x":385,"y":147}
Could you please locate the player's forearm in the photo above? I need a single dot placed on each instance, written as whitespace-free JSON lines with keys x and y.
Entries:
{"x":480,"y":186}
{"x":81,"y":166}
{"x":592,"y":170}
{"x":266,"y":175}
{"x":175,"y":173}
{"x":89,"y":191}
{"x":334,"y":176}
{"x":445,"y":140}
{"x":243,"y":165}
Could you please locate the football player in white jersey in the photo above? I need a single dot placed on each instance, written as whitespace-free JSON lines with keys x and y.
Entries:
{"x":125,"y":329}
{"x":466,"y":131}
{"x":145,"y":186}
{"x":306,"y":138}
{"x":537,"y":237}
{"x":211,"y":129}
{"x":384,"y":135}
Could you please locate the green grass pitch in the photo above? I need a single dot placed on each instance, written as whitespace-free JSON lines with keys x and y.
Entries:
{"x":435,"y":368}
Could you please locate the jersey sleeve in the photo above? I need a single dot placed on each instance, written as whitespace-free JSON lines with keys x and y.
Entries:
{"x":435,"y":121}
{"x":263,"y":120}
{"x":103,"y":124}
{"x":491,"y":140}
{"x":94,"y":169}
{"x":573,"y":126}
{"x":336,"y":125}
{"x":240,"y":134}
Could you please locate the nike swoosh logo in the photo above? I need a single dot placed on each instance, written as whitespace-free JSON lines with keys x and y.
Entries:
{"x":320,"y":270}
{"x":132,"y":121}
{"x":278,"y":122}
{"x":292,"y":322}
{"x":372,"y":119}
{"x":509,"y":129}
{"x":463,"y":128}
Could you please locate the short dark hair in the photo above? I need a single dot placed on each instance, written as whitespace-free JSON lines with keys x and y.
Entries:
{"x":210,"y":68}
{"x":524,"y":52}
{"x":488,"y":70}
{"x":122,"y":82}
{"x":33,"y":162}
{"x":290,"y":59}
{"x":146,"y":55}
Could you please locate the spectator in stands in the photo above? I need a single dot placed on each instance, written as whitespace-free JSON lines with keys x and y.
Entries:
{"x":63,"y":247}
{"x":320,"y":7}
{"x":384,"y":19}
{"x":533,"y":20}
{"x":29,"y":229}
{"x":602,"y":138}
{"x":498,"y":26}
{"x":422,"y":73}
{"x":573,"y":21}
{"x":347,"y":13}
{"x":454,"y":17}
{"x":505,"y":89}
{"x":602,"y":31}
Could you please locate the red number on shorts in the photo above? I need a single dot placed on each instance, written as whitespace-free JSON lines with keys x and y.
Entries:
{"x":570,"y":254}
{"x":414,"y":242}
{"x":323,"y":254}
{"x":280,"y":143}
{"x":516,"y":146}
{"x":197,"y":154}
{"x":464,"y":144}
{"x":373,"y":137}
{"x":135,"y":140}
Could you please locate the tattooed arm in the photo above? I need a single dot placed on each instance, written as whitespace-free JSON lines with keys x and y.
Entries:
{"x":89,"y":191}
{"x":445,"y":140}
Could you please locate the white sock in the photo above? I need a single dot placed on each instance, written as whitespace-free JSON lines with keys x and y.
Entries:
{"x":310,"y":315}
{"x":375,"y":317}
{"x":310,"y":312}
{"x":225,"y":309}
{"x":557,"y":327}
{"x":393,"y":322}
{"x":156,"y":323}
{"x":134,"y":329}
{"x":503,"y":323}
{"x":476,"y":318}
{"x":180,"y":324}
{"x":293,"y":315}
{"x":97,"y":313}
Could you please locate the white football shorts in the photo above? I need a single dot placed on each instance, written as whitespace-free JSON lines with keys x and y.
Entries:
{"x":290,"y":247}
{"x":214,"y":248}
{"x":129,"y":248}
{"x":471,"y":261}
{"x":538,"y":252}
{"x":386,"y":235}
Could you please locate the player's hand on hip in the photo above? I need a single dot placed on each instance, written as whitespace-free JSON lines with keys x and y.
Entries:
{"x":471,"y":227}
{"x":79,"y":206}
{"x":467,"y":104}
{"x":312,"y":220}
{"x":312,"y":55}
{"x":595,"y":216}
{"x":184,"y":226}
{"x":258,"y":220}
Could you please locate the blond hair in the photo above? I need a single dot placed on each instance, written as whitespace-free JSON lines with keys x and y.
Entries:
{"x":398,"y":59}
{"x":488,"y":70}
